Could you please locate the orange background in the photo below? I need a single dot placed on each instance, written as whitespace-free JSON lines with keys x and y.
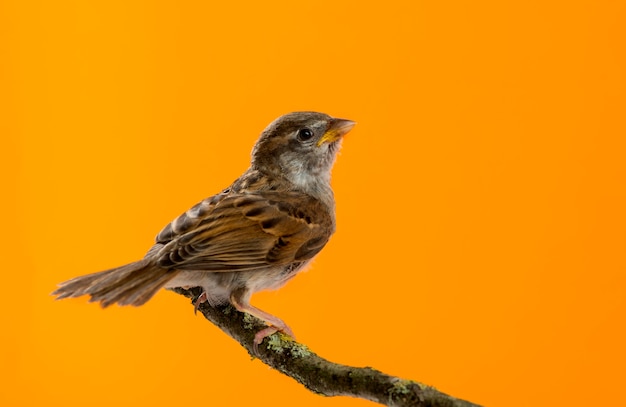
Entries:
{"x":480,"y":200}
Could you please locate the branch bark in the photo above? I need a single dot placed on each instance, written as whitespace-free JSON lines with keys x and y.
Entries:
{"x":318,"y":374}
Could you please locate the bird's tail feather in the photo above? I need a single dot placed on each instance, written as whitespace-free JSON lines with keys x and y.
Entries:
{"x":132,"y":284}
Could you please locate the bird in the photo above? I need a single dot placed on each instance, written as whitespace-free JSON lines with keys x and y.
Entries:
{"x":255,"y":235}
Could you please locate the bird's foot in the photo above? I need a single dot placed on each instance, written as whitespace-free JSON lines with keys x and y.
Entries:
{"x":268,"y":331}
{"x":275,"y":324}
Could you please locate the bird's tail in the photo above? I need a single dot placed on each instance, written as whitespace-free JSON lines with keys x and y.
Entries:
{"x":132,"y":284}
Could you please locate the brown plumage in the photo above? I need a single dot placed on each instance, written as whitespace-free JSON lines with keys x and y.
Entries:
{"x":254,"y":235}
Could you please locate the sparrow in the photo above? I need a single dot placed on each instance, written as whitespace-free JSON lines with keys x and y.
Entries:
{"x":255,"y":235}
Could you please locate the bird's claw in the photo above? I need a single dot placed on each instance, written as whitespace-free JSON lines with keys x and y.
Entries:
{"x":201,"y":298}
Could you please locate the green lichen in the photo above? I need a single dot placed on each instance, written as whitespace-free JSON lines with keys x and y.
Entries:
{"x":280,"y":343}
{"x":401,"y":389}
{"x":248,"y":321}
{"x":299,"y":350}
{"x":275,"y":343}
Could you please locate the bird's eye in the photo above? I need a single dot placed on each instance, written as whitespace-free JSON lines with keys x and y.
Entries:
{"x":305,"y":134}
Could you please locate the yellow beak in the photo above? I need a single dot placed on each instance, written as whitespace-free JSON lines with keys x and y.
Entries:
{"x":336,"y":130}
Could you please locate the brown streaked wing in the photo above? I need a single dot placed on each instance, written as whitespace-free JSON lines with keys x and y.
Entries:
{"x":246,"y":232}
{"x":189,"y":220}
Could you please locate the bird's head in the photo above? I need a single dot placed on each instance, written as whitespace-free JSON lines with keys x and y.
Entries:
{"x":300,"y":147}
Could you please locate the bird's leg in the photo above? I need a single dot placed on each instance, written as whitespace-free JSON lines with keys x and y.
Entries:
{"x":240,"y":300}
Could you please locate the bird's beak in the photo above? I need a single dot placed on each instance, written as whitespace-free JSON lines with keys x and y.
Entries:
{"x":336,"y":130}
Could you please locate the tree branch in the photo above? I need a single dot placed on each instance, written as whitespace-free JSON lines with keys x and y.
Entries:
{"x":317,"y":374}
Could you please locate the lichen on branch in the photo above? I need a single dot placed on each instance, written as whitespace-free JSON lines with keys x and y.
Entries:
{"x":318,"y":374}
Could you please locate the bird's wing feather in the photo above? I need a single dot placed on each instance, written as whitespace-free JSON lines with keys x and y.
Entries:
{"x":245,"y":232}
